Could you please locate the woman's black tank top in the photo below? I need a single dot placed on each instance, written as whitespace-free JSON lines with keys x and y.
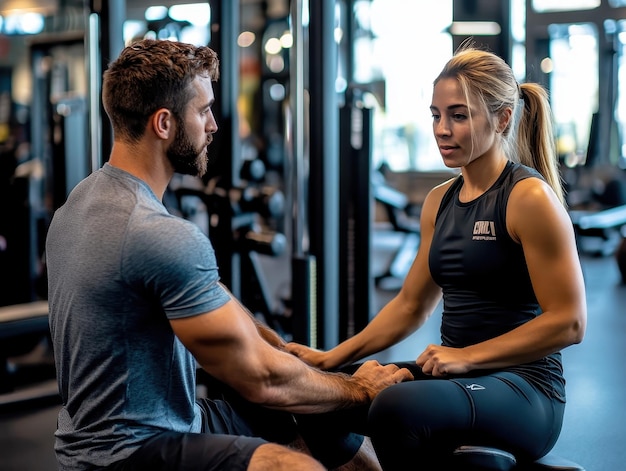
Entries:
{"x":483,"y":274}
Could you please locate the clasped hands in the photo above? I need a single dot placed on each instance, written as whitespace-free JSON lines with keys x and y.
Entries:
{"x":435,"y":360}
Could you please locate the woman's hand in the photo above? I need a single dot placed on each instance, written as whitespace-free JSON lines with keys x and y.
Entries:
{"x":311,"y":356}
{"x":437,"y":360}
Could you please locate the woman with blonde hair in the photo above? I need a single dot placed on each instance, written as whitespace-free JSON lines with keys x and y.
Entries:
{"x":497,"y":245}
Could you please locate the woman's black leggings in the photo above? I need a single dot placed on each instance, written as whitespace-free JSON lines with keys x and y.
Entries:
{"x":423,"y":421}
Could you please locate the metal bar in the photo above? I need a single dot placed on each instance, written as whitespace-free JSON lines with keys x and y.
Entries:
{"x":94,"y":74}
{"x":299,"y":168}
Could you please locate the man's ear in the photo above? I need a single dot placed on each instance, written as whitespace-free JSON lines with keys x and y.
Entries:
{"x":162,"y":123}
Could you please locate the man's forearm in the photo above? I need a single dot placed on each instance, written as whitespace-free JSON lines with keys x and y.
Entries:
{"x":299,"y":388}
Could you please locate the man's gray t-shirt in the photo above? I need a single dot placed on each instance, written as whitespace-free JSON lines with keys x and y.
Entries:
{"x":119,"y":266}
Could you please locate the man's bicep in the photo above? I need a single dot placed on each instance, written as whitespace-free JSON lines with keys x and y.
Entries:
{"x":222,"y":340}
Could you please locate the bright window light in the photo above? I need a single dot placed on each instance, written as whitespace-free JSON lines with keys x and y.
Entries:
{"x":475,"y":28}
{"x":560,"y":5}
{"x":25,"y":23}
{"x":155,"y":13}
{"x":198,"y":14}
{"x":133,"y":29}
{"x":32,"y":23}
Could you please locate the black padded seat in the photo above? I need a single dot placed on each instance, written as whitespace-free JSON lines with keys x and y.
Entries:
{"x":480,"y":458}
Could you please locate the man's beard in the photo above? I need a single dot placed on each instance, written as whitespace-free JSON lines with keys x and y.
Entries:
{"x":185,"y":158}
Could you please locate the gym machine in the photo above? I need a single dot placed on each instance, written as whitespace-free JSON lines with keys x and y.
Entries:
{"x":57,"y":159}
{"x":399,"y":212}
{"x":239,"y":226}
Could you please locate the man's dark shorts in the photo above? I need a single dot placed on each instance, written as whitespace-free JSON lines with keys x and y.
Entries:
{"x":233,"y":429}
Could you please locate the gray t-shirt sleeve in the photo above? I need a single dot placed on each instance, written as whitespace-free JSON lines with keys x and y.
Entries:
{"x":174,"y":263}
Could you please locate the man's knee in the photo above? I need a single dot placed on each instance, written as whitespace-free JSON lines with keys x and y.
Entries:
{"x":273,"y":457}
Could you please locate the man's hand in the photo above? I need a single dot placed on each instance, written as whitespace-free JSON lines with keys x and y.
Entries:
{"x":374,"y":377}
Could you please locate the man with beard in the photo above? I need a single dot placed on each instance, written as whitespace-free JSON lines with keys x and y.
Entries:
{"x":136,"y":305}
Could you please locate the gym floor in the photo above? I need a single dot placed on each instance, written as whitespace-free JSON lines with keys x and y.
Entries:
{"x":594,"y":422}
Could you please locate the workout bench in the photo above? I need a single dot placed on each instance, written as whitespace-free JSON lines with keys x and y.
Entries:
{"x":480,"y":458}
{"x":22,"y":328}
{"x":22,"y":319}
{"x":605,"y":224}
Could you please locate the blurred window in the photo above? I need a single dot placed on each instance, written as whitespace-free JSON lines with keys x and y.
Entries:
{"x":620,"y":102}
{"x":183,"y":22}
{"x":573,"y":69}
{"x":405,"y":43}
